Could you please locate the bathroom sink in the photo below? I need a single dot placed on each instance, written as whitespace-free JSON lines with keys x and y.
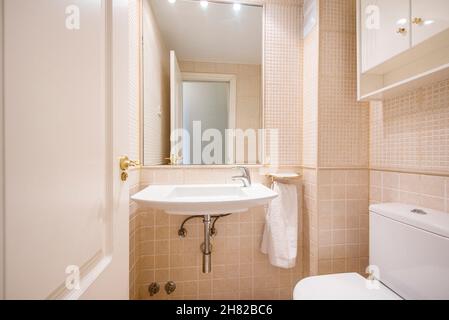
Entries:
{"x":200,"y":200}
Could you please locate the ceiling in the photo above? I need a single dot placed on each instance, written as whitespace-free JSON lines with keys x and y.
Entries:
{"x":217,"y":33}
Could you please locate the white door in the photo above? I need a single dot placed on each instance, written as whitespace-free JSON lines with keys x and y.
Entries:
{"x":429,"y":17}
{"x":176,"y":113}
{"x":385,"y":27}
{"x":65,"y":129}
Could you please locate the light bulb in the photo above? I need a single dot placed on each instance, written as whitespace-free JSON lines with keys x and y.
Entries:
{"x":237,"y":6}
{"x":204,"y":4}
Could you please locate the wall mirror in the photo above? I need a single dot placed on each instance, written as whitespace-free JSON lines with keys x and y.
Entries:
{"x":201,"y":82}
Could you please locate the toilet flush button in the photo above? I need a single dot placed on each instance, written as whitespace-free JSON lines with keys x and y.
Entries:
{"x":419,"y":211}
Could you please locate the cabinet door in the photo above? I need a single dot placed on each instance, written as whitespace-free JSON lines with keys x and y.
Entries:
{"x":429,"y":17}
{"x":385,"y":30}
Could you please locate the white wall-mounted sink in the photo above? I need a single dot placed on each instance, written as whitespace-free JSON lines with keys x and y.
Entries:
{"x":191,"y":200}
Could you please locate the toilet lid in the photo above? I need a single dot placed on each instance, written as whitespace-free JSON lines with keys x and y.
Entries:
{"x":347,"y":286}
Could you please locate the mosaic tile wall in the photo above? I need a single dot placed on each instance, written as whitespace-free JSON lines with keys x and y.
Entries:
{"x":283,"y":56}
{"x":335,"y":146}
{"x":409,"y":148}
{"x":411,"y":132}
{"x":343,"y":122}
{"x":310,"y":109}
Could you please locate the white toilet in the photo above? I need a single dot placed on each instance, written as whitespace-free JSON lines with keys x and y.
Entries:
{"x":409,"y":254}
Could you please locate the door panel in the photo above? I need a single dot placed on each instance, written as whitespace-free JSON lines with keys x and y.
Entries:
{"x":113,"y":282}
{"x":380,"y":23}
{"x":59,"y":199}
{"x":434,"y":15}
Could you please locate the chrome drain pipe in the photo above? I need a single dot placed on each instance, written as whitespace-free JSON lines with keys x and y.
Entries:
{"x":209,"y":232}
{"x":207,"y":248}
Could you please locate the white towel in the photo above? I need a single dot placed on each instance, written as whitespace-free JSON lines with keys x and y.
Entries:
{"x":280,"y":238}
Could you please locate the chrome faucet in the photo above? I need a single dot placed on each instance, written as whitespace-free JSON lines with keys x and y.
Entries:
{"x":245,"y":177}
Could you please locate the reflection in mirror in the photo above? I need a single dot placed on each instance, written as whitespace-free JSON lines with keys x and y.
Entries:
{"x":202,"y":83}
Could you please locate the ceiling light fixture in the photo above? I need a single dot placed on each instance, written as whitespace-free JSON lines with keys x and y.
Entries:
{"x":172,"y":1}
{"x":237,"y":6}
{"x":204,"y":4}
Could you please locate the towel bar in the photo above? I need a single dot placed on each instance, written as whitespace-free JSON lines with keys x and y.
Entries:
{"x":283,"y":176}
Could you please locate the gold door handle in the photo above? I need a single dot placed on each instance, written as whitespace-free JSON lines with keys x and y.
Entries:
{"x":402,"y":31}
{"x":125,"y":163}
{"x":417,"y":21}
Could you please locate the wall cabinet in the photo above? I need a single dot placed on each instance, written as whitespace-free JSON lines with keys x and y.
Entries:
{"x":385,"y":30}
{"x":429,"y":17}
{"x":401,"y":43}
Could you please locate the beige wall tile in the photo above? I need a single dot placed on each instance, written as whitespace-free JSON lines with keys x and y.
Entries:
{"x":433,"y":186}
{"x":353,"y":221}
{"x":359,"y":192}
{"x":338,"y":192}
{"x":433,"y":203}
{"x":428,"y":191}
{"x":338,"y":252}
{"x":348,"y":216}
{"x":447,"y":188}
{"x":338,"y":237}
{"x":325,"y":266}
{"x":146,"y":234}
{"x":325,"y":193}
{"x":325,"y":238}
{"x":390,"y":180}
{"x":375,"y":179}
{"x":338,"y":266}
{"x":410,"y":182}
{"x":357,"y":177}
{"x":404,"y":130}
{"x":390,"y":195}
{"x":410,"y":198}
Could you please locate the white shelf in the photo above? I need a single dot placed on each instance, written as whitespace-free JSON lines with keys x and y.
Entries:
{"x":417,"y":81}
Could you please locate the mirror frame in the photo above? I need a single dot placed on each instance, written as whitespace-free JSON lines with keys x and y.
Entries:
{"x":255,"y":3}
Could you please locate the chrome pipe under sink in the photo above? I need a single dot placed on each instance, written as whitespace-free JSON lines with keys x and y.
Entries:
{"x":207,"y":248}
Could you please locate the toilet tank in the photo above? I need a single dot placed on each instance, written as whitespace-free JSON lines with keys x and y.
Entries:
{"x":409,"y":248}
